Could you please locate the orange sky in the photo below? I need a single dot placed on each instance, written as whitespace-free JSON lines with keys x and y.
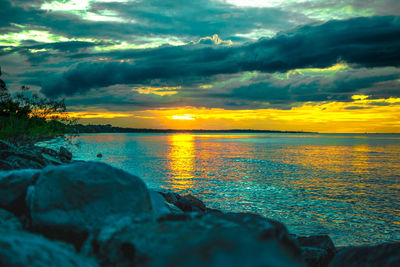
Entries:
{"x":359,"y":116}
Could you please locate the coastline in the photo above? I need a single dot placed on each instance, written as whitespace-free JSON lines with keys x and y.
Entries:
{"x":32,"y":166}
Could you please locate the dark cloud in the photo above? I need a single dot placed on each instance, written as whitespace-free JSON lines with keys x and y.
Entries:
{"x":138,"y":20}
{"x":341,"y":87}
{"x":361,"y":42}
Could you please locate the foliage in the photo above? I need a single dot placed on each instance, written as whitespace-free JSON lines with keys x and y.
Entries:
{"x":29,"y":117}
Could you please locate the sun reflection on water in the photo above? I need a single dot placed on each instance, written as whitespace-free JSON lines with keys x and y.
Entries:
{"x":181,"y":161}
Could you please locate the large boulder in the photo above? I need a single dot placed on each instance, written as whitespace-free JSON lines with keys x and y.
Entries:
{"x":8,"y":221}
{"x":382,"y":255}
{"x":69,"y":201}
{"x":25,"y":249}
{"x":13,"y":188}
{"x":194,"y":239}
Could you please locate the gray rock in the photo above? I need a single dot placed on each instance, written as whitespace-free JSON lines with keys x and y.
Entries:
{"x":25,"y":249}
{"x":69,"y":201}
{"x":8,"y":221}
{"x":195,"y":239}
{"x":14,"y":184}
{"x":382,"y":255}
{"x":317,"y":250}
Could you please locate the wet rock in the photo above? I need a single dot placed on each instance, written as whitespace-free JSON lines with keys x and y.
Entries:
{"x":25,"y":249}
{"x":69,"y":201}
{"x":64,"y":154}
{"x":8,"y":221}
{"x":382,"y":255}
{"x":195,"y":239}
{"x":317,"y":251}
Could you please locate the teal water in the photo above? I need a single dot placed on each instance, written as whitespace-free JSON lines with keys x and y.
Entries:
{"x":343,"y":185}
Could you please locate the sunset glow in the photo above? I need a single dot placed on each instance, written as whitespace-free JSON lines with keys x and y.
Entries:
{"x":183,"y":117}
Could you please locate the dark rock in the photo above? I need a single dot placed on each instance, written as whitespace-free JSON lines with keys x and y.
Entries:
{"x":228,"y":247}
{"x":195,"y":239}
{"x":185,"y":205}
{"x":64,"y":154}
{"x":53,"y":160}
{"x":69,"y":201}
{"x":317,"y":251}
{"x":315,"y":257}
{"x":8,"y":221}
{"x":47,"y":151}
{"x":195,"y":202}
{"x":22,"y":158}
{"x":211,"y":210}
{"x":21,"y":161}
{"x":99,"y":155}
{"x":5,"y":165}
{"x":171,"y":197}
{"x":382,"y":255}
{"x":25,"y":249}
{"x":14,"y":184}
{"x":6,"y":146}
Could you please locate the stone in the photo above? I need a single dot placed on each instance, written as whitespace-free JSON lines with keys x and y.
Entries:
{"x":160,"y":208}
{"x":317,"y":250}
{"x":64,"y":154}
{"x":22,"y":158}
{"x":195,"y":202}
{"x":14,"y":184}
{"x":69,"y":201}
{"x":6,"y":146}
{"x":26,"y":249}
{"x":185,"y":205}
{"x":171,"y":197}
{"x":9,"y":222}
{"x":99,"y":155}
{"x":194,"y":239}
{"x":382,"y":255}
{"x":51,"y":159}
{"x":173,"y":209}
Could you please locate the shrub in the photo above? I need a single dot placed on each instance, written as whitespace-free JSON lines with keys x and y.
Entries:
{"x":29,"y":117}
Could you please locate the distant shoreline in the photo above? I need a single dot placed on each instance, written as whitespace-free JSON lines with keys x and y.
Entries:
{"x":80,"y":128}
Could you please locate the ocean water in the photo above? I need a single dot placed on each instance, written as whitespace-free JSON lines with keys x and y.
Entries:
{"x":343,"y":185}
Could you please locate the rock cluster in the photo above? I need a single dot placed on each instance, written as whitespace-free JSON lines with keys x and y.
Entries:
{"x":92,"y":214}
{"x":32,"y":157}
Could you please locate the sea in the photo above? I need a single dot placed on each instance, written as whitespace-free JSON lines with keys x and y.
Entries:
{"x":344,"y":185}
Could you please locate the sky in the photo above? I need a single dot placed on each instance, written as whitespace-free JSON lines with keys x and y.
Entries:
{"x":306,"y":65}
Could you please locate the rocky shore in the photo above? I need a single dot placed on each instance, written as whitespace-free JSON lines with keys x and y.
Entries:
{"x":55,"y":211}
